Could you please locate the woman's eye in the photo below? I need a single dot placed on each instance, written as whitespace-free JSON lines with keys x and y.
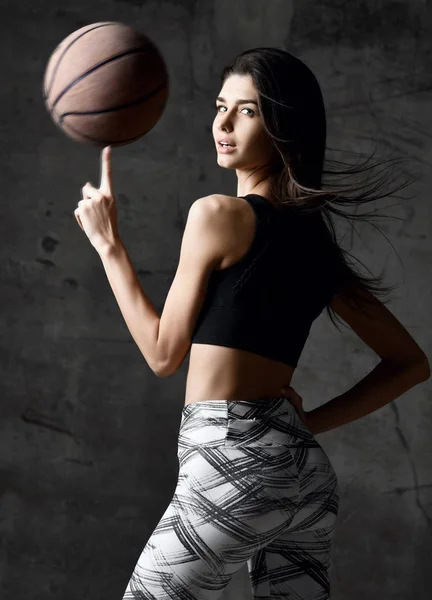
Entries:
{"x":245,"y":108}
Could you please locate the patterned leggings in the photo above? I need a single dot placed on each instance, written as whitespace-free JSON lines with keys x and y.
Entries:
{"x":255,"y":487}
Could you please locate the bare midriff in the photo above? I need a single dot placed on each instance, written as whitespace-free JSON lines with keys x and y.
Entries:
{"x":221,"y":373}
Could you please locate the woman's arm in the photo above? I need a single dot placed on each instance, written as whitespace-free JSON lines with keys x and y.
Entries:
{"x":386,"y":382}
{"x":403,"y":365}
{"x":136,"y":307}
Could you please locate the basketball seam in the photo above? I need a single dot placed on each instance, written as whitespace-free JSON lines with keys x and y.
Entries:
{"x":100,"y":142}
{"x":95,"y":68}
{"x":48,"y":89}
{"x":106,"y":110}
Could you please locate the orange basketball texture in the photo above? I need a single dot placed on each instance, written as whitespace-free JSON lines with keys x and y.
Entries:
{"x":106,"y":84}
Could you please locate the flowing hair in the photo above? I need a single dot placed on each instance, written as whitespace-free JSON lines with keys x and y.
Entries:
{"x":293,"y":112}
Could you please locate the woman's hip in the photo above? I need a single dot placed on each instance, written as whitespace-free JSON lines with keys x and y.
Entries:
{"x":244,"y":425}
{"x":236,"y":423}
{"x":260,"y":448}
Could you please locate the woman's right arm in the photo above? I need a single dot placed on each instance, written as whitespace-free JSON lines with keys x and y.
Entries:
{"x":403,"y":365}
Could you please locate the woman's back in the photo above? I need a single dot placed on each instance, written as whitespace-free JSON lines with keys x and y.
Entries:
{"x":229,"y":371}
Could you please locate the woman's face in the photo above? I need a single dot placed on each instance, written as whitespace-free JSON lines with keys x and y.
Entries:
{"x":241,"y":125}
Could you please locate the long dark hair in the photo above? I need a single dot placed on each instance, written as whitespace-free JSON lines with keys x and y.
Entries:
{"x":292,"y":107}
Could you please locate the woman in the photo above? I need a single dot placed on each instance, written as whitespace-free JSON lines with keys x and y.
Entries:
{"x":255,"y":271}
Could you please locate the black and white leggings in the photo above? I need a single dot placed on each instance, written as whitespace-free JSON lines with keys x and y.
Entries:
{"x":255,"y":487}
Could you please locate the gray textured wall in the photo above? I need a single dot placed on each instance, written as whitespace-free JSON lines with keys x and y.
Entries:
{"x":88,"y":433}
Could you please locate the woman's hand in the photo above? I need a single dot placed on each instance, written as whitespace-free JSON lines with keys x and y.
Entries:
{"x":97,"y":212}
{"x":296,"y":401}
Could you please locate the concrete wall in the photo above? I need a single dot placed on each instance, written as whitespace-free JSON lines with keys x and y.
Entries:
{"x":88,"y":433}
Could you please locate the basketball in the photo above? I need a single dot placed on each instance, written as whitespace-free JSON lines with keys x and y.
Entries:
{"x":106,"y":84}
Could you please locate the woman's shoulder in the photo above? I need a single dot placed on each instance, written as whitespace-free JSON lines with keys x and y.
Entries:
{"x":232,"y":207}
{"x":218,"y":200}
{"x":229,"y":211}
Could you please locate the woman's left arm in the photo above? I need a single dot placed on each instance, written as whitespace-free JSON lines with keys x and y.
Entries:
{"x":97,"y":216}
{"x":136,"y":307}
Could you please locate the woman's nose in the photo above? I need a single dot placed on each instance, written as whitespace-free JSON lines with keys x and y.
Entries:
{"x":224,"y":124}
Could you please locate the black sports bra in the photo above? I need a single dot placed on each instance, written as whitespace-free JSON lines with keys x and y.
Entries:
{"x":267,"y":301}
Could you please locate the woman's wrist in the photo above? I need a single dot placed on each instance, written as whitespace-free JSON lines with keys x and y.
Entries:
{"x":311,"y":422}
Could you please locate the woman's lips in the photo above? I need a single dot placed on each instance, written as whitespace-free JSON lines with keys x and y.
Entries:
{"x":225,"y":149}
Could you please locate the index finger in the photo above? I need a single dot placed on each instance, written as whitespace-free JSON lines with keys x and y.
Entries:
{"x":106,"y":171}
